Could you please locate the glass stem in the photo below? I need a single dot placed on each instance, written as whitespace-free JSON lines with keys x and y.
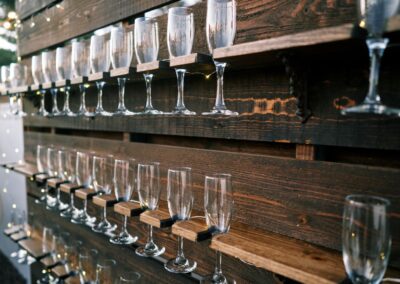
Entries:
{"x":376,"y":49}
{"x":10,"y":103}
{"x":66,"y":101}
{"x":19,"y":103}
{"x":85,"y":207}
{"x":219,"y":100}
{"x":104,"y":214}
{"x":125,"y":225}
{"x":148,"y":78}
{"x":71,"y":200}
{"x":100,"y":86}
{"x":180,"y":75}
{"x":121,"y":93}
{"x":218,"y":263}
{"x":55,"y":104}
{"x":82,"y":107}
{"x":150,"y":236}
{"x":180,"y":248}
{"x":42,"y":102}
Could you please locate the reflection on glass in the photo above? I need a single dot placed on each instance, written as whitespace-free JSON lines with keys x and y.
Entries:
{"x":49,"y":70}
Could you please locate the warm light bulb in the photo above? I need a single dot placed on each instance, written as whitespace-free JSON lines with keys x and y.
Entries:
{"x":48,"y":19}
{"x":33,"y":24}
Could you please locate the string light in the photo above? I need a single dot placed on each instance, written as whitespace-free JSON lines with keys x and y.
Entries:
{"x":5,"y":190}
{"x":12,"y":15}
{"x":14,"y":205}
{"x":32,"y":24}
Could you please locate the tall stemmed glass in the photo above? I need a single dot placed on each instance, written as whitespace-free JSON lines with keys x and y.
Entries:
{"x":123,"y":188}
{"x":17,"y":79}
{"x":81,"y":68}
{"x":180,"y":35}
{"x":50,"y":75}
{"x":83,"y":178}
{"x":100,"y":62}
{"x":67,"y":165}
{"x":146,"y":49}
{"x":38,"y":79}
{"x":221,"y":30}
{"x":41,"y":164}
{"x":366,"y":238}
{"x":53,"y":164}
{"x":148,"y":187}
{"x":47,"y":241}
{"x":64,"y":72}
{"x":180,"y":203}
{"x":87,"y":265}
{"x":218,"y":207}
{"x":121,"y":47}
{"x":102,"y":182}
{"x":373,"y":16}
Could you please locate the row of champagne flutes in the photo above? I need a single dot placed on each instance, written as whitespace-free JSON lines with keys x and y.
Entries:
{"x":121,"y":177}
{"x":118,"y":46}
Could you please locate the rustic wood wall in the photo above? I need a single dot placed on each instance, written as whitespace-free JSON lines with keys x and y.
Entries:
{"x":289,"y":177}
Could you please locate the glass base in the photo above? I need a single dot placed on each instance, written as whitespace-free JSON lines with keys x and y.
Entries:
{"x":41,"y":199}
{"x":102,"y":112}
{"x":180,"y":265}
{"x":221,"y":112}
{"x":104,"y":227}
{"x":149,"y":250}
{"x":40,"y":113}
{"x":123,"y":239}
{"x":58,"y":113}
{"x":371,"y":108}
{"x":21,"y":113}
{"x":70,"y":212}
{"x":68,"y":113}
{"x":215,"y":279}
{"x":62,"y":206}
{"x":83,"y":218}
{"x":151,"y":112}
{"x":184,"y":111}
{"x":124,"y":112}
{"x":85,"y":113}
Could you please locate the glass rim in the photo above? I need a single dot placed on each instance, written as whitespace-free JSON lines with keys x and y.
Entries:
{"x":180,"y":11}
{"x":180,"y":169}
{"x":140,"y":20}
{"x":360,"y":200}
{"x":148,"y":164}
{"x":218,"y":175}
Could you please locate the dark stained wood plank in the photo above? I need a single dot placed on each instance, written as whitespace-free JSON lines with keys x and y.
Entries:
{"x":282,"y":255}
{"x":128,"y":209}
{"x":194,"y":230}
{"x":18,"y":236}
{"x":85,"y":194}
{"x":11,"y":230}
{"x":105,"y":200}
{"x":157,"y":218}
{"x":26,"y":8}
{"x":69,"y":187}
{"x":33,"y":247}
{"x":305,"y":152}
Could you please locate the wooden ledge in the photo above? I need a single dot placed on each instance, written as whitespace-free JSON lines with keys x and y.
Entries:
{"x":36,"y":87}
{"x":49,"y":262}
{"x":11,"y":230}
{"x":191,"y":60}
{"x":105,"y":200}
{"x":279,"y":254}
{"x":99,"y":76}
{"x":70,"y":187}
{"x":42,"y":178}
{"x":48,"y":85}
{"x":79,"y":80}
{"x":157,"y":218}
{"x":128,"y":209}
{"x":21,"y":89}
{"x":152,"y":66}
{"x":195,"y":230}
{"x":26,"y":169}
{"x":122,"y":72}
{"x":33,"y":247}
{"x":61,"y":271}
{"x":55,"y":182}
{"x":18,"y":236}
{"x":86,"y":193}
{"x":62,"y":83}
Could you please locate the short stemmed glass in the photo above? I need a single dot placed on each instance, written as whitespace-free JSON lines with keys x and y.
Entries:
{"x":49,"y":70}
{"x":41,"y":164}
{"x":81,"y":68}
{"x":180,"y":35}
{"x":123,"y":187}
{"x":17,"y":78}
{"x":366,"y":238}
{"x":64,"y":72}
{"x":373,"y":16}
{"x":218,"y":207}
{"x":87,"y":265}
{"x":180,"y":203}
{"x":102,"y":183}
{"x":67,"y":165}
{"x":221,"y":30}
{"x":148,"y":187}
{"x":100,"y":62}
{"x":146,"y":50}
{"x":121,"y":47}
{"x":38,"y":79}
{"x":105,"y":271}
{"x":83,"y":174}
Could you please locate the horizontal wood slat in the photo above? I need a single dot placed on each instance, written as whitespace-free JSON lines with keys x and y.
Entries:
{"x":26,"y":8}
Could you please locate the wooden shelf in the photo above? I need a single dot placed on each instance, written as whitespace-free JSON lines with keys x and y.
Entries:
{"x":56,"y":182}
{"x":99,"y":76}
{"x":28,"y":170}
{"x":61,"y":271}
{"x":152,"y":66}
{"x":194,"y":61}
{"x":48,"y":85}
{"x":42,"y":178}
{"x":49,"y":262}
{"x":36,"y":87}
{"x":17,"y":90}
{"x":105,"y":200}
{"x":86,"y":193}
{"x":195,"y":230}
{"x":70,"y":187}
{"x":122,"y":72}
{"x":33,"y":247}
{"x":158,"y":218}
{"x":128,"y":209}
{"x":62,"y":83}
{"x":11,"y":230}
{"x":16,"y":237}
{"x":79,"y":80}
{"x":73,"y":280}
{"x":279,"y":254}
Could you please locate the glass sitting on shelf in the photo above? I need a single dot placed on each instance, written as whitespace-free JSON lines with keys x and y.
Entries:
{"x":38,"y":79}
{"x":49,"y":69}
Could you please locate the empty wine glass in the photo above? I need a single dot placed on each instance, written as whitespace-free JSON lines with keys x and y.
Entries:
{"x":17,"y":79}
{"x":180,"y":35}
{"x":47,"y":241}
{"x":41,"y":164}
{"x":64,"y":72}
{"x":105,"y":271}
{"x":218,"y":207}
{"x":130,"y":277}
{"x":146,"y":49}
{"x":121,"y":47}
{"x":52,"y":203}
{"x":49,"y":70}
{"x":81,"y":68}
{"x":83,"y":174}
{"x":180,"y":203}
{"x":123,"y":188}
{"x":67,"y":166}
{"x":366,"y":238}
{"x":100,"y":62}
{"x":20,"y":220}
{"x":373,"y":16}
{"x":87,"y":265}
{"x":5,"y":80}
{"x":102,"y":182}
{"x":38,"y":79}
{"x":221,"y":30}
{"x":148,"y":187}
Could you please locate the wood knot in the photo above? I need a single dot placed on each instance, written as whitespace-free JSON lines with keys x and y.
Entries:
{"x":302,"y":220}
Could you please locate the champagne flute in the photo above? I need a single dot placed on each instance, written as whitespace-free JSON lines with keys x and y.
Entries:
{"x":121,"y":47}
{"x":52,"y":168}
{"x":180,"y":35}
{"x":47,"y":241}
{"x":366,"y":238}
{"x":87,"y":265}
{"x":50,"y":76}
{"x":17,"y":79}
{"x":221,"y":30}
{"x":41,"y":164}
{"x":146,"y":50}
{"x":63,"y":66}
{"x":218,"y":207}
{"x":180,"y":203}
{"x":123,"y":188}
{"x":148,"y":187}
{"x":373,"y":16}
{"x":100,"y":62}
{"x":102,"y":183}
{"x":105,"y":271}
{"x":81,"y":68}
{"x":38,"y":79}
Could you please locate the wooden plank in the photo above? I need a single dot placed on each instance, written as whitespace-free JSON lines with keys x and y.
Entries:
{"x":305,"y":152}
{"x":62,"y":83}
{"x":105,"y":200}
{"x":11,"y":230}
{"x":55,"y":182}
{"x":158,"y":65}
{"x":42,"y":178}
{"x":194,"y":230}
{"x":85,"y":194}
{"x":122,"y":72}
{"x":158,"y":218}
{"x":17,"y":90}
{"x":26,"y":169}
{"x":61,"y":271}
{"x":73,"y":280}
{"x":129,"y":209}
{"x":69,"y":187}
{"x":48,"y":85}
{"x":289,"y":257}
{"x":192,"y":61}
{"x":26,"y":8}
{"x":79,"y":80}
{"x":18,"y":236}
{"x":49,"y":262}
{"x":33,"y":247}
{"x":98,"y":76}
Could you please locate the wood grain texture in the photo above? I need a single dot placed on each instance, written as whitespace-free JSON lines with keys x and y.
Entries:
{"x":70,"y":187}
{"x":26,"y":8}
{"x":105,"y":200}
{"x":305,"y":152}
{"x":157,"y":218}
{"x":85,"y":194}
{"x":128,"y":209}
{"x":33,"y":247}
{"x":194,"y":230}
{"x":60,"y":271}
{"x":55,"y":182}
